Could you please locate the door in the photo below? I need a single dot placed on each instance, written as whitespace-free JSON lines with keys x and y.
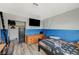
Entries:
{"x":21,"y":34}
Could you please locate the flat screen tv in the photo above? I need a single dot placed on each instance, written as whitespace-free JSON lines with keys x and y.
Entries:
{"x":11,"y":22}
{"x":34,"y":22}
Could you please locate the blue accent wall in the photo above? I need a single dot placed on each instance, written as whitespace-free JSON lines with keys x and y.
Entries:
{"x":67,"y":35}
{"x":33,"y":31}
{"x":27,"y":32}
{"x":2,"y":35}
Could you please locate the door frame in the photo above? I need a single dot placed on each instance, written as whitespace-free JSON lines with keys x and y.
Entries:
{"x":19,"y":26}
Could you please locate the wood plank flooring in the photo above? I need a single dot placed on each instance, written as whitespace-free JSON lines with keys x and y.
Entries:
{"x":24,"y":49}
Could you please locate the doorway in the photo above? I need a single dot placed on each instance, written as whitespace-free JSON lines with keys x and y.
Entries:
{"x":21,"y":34}
{"x":17,"y":31}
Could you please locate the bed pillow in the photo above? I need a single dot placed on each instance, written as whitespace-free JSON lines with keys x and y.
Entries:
{"x":54,"y":37}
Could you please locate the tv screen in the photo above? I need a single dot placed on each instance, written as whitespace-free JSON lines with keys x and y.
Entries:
{"x":34,"y":22}
{"x":11,"y":22}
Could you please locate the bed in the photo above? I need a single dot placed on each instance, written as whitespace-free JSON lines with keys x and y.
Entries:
{"x":57,"y":47}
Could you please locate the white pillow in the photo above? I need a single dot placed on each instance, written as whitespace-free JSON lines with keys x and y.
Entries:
{"x":54,"y":37}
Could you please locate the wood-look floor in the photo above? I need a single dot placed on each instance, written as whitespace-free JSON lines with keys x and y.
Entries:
{"x":24,"y":49}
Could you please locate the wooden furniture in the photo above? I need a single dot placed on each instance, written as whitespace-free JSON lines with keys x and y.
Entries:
{"x":33,"y":38}
{"x":1,"y":47}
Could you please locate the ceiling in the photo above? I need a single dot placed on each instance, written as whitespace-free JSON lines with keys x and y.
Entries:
{"x":43,"y":10}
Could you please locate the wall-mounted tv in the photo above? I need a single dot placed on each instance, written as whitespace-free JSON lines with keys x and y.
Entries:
{"x":34,"y":22}
{"x":11,"y":22}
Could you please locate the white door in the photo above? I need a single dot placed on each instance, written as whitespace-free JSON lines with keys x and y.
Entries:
{"x":13,"y":33}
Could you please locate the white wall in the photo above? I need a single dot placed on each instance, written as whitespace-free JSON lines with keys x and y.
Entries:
{"x":12,"y":33}
{"x":12,"y":17}
{"x":18,"y":18}
{"x":68,"y":20}
{"x":0,"y":22}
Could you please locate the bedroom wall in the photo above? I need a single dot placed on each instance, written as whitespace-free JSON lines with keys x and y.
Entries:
{"x":12,"y":35}
{"x":28,"y":31}
{"x":65,"y":25}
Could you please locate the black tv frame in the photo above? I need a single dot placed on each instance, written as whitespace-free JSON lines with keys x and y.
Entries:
{"x":34,"y":22}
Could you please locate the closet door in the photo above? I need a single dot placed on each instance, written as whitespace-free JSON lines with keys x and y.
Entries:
{"x":21,"y":34}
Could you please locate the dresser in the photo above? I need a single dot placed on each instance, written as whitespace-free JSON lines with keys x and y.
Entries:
{"x":33,"y":38}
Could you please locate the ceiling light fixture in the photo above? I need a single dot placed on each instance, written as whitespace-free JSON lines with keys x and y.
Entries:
{"x":35,"y":4}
